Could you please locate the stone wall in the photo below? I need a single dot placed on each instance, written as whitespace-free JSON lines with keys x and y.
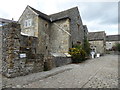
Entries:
{"x":99,"y":45}
{"x":11,"y":45}
{"x":19,"y":52}
{"x":76,"y":25}
{"x":85,"y":31}
{"x":27,"y":15}
{"x":60,"y":61}
{"x":0,"y":48}
{"x":43,"y":36}
{"x":59,"y":39}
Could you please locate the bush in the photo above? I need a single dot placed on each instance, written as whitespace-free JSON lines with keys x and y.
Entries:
{"x":86,"y":46}
{"x":77,"y":53}
{"x":116,"y":47}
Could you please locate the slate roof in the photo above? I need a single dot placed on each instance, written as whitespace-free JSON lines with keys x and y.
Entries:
{"x":2,"y":20}
{"x":96,"y":35}
{"x":48,"y":17}
{"x":113,"y":38}
{"x":62,"y":14}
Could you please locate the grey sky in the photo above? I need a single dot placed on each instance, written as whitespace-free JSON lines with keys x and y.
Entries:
{"x":98,"y":16}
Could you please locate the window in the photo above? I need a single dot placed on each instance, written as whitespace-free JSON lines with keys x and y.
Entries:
{"x":78,"y":42}
{"x":46,"y":25}
{"x":91,"y":46}
{"x":78,"y":26}
{"x":28,"y":23}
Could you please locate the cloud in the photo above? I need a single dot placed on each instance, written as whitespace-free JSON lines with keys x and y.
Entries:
{"x":100,"y":16}
{"x":96,"y":15}
{"x":104,"y":12}
{"x":110,"y":29}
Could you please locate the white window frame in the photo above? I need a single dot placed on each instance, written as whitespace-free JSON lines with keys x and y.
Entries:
{"x":28,"y":23}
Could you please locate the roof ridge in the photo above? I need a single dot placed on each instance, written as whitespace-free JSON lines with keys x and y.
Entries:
{"x":36,"y":10}
{"x":96,"y":32}
{"x":6,"y":20}
{"x":45,"y":16}
{"x":65,"y":10}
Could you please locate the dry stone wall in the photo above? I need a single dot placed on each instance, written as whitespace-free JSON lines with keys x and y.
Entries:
{"x":20,"y":55}
{"x":19,"y":52}
{"x":10,"y":46}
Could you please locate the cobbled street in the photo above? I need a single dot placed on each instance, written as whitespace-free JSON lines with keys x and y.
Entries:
{"x":100,"y":72}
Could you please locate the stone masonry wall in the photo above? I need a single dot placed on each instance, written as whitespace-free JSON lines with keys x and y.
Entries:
{"x":100,"y":47}
{"x":11,"y":45}
{"x":43,"y":36}
{"x":19,"y":52}
{"x":76,"y":25}
{"x":20,"y":55}
{"x":0,"y":49}
{"x":59,"y":39}
{"x":29,"y":17}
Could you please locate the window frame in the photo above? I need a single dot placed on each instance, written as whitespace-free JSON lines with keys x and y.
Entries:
{"x":28,"y":23}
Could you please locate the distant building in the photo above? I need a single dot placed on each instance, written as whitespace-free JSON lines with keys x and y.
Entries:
{"x":5,"y":21}
{"x":112,"y":40}
{"x":97,"y":41}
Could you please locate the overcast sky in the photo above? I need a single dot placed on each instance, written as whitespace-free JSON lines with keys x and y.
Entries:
{"x":98,"y":16}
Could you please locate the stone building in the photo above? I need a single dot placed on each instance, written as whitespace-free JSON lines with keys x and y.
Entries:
{"x":85,"y":31}
{"x":97,"y":41}
{"x":39,"y":40}
{"x":112,"y":40}
{"x":5,"y":21}
{"x":56,"y":32}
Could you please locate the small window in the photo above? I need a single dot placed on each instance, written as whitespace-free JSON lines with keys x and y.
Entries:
{"x":78,"y":26}
{"x":28,"y":23}
{"x":46,"y":47}
{"x":46,"y":25}
{"x":78,"y":42}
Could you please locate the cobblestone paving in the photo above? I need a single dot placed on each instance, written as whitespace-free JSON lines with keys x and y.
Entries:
{"x":95,"y":73}
{"x":103,"y":79}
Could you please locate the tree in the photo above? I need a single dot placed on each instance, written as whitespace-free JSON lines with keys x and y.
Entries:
{"x":116,"y":47}
{"x":86,"y":46}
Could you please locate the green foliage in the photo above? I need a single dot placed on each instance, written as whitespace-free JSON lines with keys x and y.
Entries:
{"x":116,"y":47}
{"x":77,"y":53}
{"x":86,"y":46}
{"x":80,"y":52}
{"x":77,"y":46}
